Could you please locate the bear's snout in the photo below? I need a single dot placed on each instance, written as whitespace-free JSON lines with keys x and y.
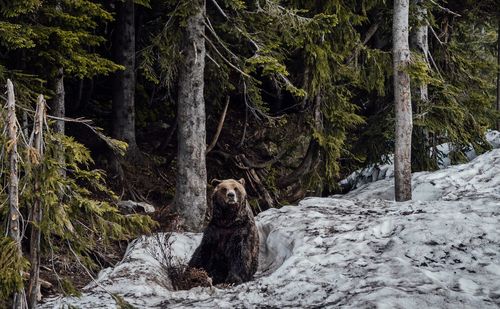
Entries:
{"x":231,"y":197}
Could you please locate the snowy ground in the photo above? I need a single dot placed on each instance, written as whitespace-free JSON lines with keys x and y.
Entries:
{"x":377,"y":172}
{"x":362,"y":250}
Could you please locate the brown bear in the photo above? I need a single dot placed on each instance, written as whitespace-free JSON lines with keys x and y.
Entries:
{"x":230,"y":246}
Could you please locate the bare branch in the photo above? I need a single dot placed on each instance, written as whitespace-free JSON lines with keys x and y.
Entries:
{"x":369,"y":34}
{"x":225,"y":59}
{"x":219,"y":127}
{"x":220,"y":9}
{"x":445,"y":9}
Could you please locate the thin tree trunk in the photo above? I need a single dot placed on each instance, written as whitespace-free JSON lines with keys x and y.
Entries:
{"x":58,"y":104}
{"x":58,"y":109}
{"x":124,"y":83}
{"x":191,"y":196}
{"x":422,"y":42}
{"x":422,"y":142}
{"x":498,"y":73}
{"x":19,"y":300}
{"x":14,"y":226}
{"x":402,"y":101}
{"x":36,"y":211}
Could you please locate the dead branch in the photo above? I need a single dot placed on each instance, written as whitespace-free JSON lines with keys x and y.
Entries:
{"x":435,"y":34}
{"x":19,"y":298}
{"x":14,"y":217}
{"x":219,"y":126}
{"x":243,"y":136}
{"x":36,"y":211}
{"x":312,"y":157}
{"x":224,"y":58}
{"x":446,"y":10}
{"x":369,"y":34}
{"x":255,"y":180}
{"x":263,"y":165}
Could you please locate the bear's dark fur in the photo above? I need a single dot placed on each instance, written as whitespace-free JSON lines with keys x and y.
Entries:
{"x":230,"y":246}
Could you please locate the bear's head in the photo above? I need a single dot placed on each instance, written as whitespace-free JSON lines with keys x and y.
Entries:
{"x":229,"y":200}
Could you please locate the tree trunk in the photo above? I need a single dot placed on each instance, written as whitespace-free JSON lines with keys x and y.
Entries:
{"x":402,"y":101}
{"x":498,"y":73}
{"x":36,"y":211}
{"x":58,"y":104}
{"x":58,"y":109}
{"x":422,"y":139}
{"x":124,"y":82}
{"x":14,"y":229}
{"x":422,"y":43}
{"x":19,"y":300}
{"x":191,"y":196}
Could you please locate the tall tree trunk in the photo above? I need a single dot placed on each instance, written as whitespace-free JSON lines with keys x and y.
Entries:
{"x":36,"y":211}
{"x":402,"y":101}
{"x":124,"y":82}
{"x":58,"y":109}
{"x":19,"y":301}
{"x":422,"y":43}
{"x":58,"y":103}
{"x":14,"y":217}
{"x":191,"y":196}
{"x":422,"y":141}
{"x":498,"y":72}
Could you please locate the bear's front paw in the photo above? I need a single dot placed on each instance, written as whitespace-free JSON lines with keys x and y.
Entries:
{"x":233,"y":278}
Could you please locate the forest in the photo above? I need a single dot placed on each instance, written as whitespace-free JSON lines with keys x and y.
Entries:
{"x":122,"y":121}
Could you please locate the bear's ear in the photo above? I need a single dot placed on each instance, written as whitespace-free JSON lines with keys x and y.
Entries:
{"x":242,"y":181}
{"x":215,"y":182}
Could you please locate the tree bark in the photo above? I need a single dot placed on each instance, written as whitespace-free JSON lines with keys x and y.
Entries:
{"x":498,"y":73}
{"x":402,"y":101}
{"x":58,"y":109}
{"x":19,"y":299}
{"x":191,"y":196}
{"x":14,"y":230}
{"x":36,"y":211}
{"x":422,"y":43}
{"x":124,"y":82}
{"x":58,"y":103}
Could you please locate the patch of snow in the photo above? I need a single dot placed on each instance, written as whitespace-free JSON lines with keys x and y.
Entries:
{"x":476,"y":180}
{"x":377,"y":172}
{"x":362,"y":250}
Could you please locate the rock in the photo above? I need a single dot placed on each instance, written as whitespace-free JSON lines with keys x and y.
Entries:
{"x":135,"y":207}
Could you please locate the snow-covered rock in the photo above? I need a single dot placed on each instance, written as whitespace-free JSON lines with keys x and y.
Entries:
{"x":135,"y":207}
{"x":363,"y":250}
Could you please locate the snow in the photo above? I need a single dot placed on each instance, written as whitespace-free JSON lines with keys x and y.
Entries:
{"x":377,"y":172}
{"x":360,"y":250}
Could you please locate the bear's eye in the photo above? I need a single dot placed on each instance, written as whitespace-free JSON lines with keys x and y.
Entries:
{"x":236,"y":189}
{"x":223,"y":189}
